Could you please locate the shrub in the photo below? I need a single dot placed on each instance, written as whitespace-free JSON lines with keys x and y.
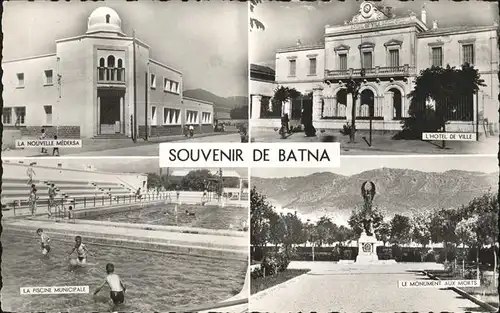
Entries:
{"x":346,"y":129}
{"x":256,"y":273}
{"x":275,"y":262}
{"x":430,"y":256}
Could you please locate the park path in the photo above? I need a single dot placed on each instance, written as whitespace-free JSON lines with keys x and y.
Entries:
{"x":333,"y":287}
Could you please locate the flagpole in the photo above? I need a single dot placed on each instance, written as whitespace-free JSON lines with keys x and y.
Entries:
{"x":134,"y":133}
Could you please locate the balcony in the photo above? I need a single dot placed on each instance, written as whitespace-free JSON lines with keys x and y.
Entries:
{"x":376,"y":72}
{"x":111,"y":75}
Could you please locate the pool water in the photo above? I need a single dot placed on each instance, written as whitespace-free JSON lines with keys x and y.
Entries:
{"x":209,"y":216}
{"x":154,"y":281}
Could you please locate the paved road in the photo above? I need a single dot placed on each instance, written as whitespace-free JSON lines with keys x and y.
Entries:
{"x":383,"y":144}
{"x":153,"y":149}
{"x":356,"y":288}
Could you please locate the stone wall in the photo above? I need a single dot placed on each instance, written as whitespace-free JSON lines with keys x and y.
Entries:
{"x":63,"y":132}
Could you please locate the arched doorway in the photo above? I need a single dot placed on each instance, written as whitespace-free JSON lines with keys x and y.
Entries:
{"x":341,"y":105}
{"x":367,"y":104}
{"x":397,"y":103}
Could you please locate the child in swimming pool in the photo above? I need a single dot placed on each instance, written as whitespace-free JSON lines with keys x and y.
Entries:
{"x":117,"y":292}
{"x":44,"y":240}
{"x":81,"y":251}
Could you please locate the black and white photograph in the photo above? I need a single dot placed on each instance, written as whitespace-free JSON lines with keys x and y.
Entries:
{"x":121,"y":77}
{"x":356,"y":238}
{"x":380,"y":77}
{"x":123,"y":235}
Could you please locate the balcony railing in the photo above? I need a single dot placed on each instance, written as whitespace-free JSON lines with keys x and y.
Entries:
{"x":377,"y":71}
{"x":111,"y":75}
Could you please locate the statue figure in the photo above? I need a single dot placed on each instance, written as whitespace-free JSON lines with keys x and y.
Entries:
{"x":368,"y":193}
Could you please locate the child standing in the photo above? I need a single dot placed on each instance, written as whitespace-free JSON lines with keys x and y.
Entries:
{"x":56,"y":149}
{"x":44,"y":240}
{"x":30,"y":172}
{"x":32,"y":200}
{"x":81,"y":251}
{"x":42,"y":137}
{"x":117,"y":292}
{"x":71,"y":214}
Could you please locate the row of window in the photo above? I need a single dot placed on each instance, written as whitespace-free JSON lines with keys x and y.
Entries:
{"x":168,"y":84}
{"x":173,"y":117}
{"x":467,"y":56}
{"x":48,"y":78}
{"x":312,"y":66}
{"x":17,"y":116}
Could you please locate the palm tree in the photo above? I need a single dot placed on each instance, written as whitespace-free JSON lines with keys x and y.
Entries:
{"x":284,"y":94}
{"x":353,"y":86}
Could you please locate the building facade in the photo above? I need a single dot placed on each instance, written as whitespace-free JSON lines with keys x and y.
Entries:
{"x":87,"y":88}
{"x":262,"y":86}
{"x":389,"y":52}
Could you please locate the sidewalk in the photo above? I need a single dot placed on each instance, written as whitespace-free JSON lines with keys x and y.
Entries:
{"x":140,"y":237}
{"x":92,"y":145}
{"x":383,"y":144}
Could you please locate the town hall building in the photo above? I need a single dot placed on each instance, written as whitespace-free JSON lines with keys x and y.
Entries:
{"x":386,"y":53}
{"x":87,"y":88}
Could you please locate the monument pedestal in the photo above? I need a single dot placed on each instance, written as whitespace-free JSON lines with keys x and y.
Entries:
{"x":367,"y":249}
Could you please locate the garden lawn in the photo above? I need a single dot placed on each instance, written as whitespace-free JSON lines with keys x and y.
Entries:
{"x":263,"y":283}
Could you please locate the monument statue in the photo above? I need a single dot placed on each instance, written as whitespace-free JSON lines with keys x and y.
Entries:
{"x":367,"y":242}
{"x":368,"y":193}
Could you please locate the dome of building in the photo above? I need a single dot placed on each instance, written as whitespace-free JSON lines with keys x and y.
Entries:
{"x":104,"y":19}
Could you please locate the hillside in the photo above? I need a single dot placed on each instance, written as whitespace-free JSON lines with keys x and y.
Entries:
{"x":398,"y":190}
{"x":220,"y":103}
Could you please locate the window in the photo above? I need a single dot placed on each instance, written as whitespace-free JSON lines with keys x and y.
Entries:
{"x":293,"y":67}
{"x":367,"y":59}
{"x":468,"y":54}
{"x":20,"y":115}
{"x":49,"y":77}
{"x":107,"y":18}
{"x":312,"y":66}
{"x":205,"y":118}
{"x":437,"y":56}
{"x":153,"y":81}
{"x":170,"y":85}
{"x":191,"y":117}
{"x":343,"y":62}
{"x":153,"y":116}
{"x":171,"y":116}
{"x":48,"y":114}
{"x":394,"y":58}
{"x":20,"y":80}
{"x":7,"y":115}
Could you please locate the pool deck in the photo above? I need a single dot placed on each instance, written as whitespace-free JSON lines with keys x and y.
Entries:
{"x":205,"y":243}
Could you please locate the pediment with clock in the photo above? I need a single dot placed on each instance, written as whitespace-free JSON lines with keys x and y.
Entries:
{"x":368,"y":12}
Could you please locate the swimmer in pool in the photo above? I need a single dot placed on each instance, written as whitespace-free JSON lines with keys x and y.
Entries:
{"x":81,"y":251}
{"x":117,"y":292}
{"x":44,"y":240}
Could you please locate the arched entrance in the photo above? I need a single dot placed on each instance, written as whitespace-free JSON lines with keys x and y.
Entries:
{"x":341,"y":105}
{"x":397,"y":103}
{"x":367,"y":104}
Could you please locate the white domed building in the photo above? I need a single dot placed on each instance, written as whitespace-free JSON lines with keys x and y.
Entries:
{"x":86,"y":89}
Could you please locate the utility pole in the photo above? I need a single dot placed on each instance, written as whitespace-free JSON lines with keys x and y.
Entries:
{"x":134,"y":133}
{"x":146,"y":107}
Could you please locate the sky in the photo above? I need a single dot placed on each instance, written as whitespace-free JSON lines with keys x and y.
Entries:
{"x":285,"y":23}
{"x":207,"y":41}
{"x":352,"y":165}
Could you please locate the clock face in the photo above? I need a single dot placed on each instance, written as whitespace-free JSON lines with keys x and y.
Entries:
{"x":367,"y":8}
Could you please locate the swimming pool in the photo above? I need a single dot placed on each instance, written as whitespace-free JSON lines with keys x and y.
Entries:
{"x":208,"y":216}
{"x":155,"y":281}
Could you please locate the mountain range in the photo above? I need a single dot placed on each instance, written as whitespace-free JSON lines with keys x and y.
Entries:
{"x":397,"y":191}
{"x":220,"y":103}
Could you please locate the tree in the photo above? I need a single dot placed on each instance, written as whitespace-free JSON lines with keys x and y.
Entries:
{"x":449,"y":87}
{"x":442,"y":227}
{"x":240,"y":113}
{"x":196,"y":180}
{"x":283,"y":94}
{"x":326,"y":230}
{"x":420,"y":232}
{"x":383,"y":233}
{"x":255,"y":23}
{"x":356,"y":220}
{"x":154,"y":181}
{"x":260,"y":212}
{"x":293,"y":231}
{"x":345,"y":234}
{"x":353,"y":87}
{"x":400,"y":229}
